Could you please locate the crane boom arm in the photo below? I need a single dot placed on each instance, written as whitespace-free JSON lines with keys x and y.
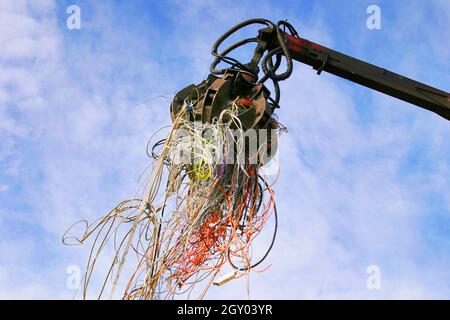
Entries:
{"x":324,"y":59}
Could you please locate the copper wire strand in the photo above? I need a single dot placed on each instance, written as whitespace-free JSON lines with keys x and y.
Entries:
{"x":184,"y":232}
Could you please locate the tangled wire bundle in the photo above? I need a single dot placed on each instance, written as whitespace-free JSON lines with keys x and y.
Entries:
{"x":206,"y":197}
{"x":216,"y":209}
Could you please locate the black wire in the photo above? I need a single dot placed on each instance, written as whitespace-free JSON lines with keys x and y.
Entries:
{"x":221,"y":56}
{"x":271,"y":243}
{"x":233,"y":62}
{"x":268,"y":66}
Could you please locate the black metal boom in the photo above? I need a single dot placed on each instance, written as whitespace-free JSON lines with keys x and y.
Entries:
{"x":395,"y":85}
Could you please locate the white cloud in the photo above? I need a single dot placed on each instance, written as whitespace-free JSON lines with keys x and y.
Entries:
{"x":76,"y":111}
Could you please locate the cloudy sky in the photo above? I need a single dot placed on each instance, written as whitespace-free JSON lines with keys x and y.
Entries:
{"x":364,"y":177}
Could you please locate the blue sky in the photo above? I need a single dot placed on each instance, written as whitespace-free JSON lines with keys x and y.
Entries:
{"x":364,"y":177}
